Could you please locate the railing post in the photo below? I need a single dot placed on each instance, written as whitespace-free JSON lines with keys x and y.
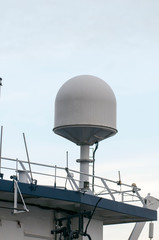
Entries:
{"x":15,"y":197}
{"x":28,"y":157}
{"x":55,"y":178}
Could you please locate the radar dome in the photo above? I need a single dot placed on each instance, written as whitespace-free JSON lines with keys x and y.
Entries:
{"x":85,"y":110}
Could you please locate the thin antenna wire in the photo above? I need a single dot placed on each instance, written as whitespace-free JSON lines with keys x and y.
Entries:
{"x":0,"y":85}
{"x":67,"y":159}
{"x":119,"y":182}
{"x":119,"y":177}
{"x":27,"y":156}
{"x":17,"y":167}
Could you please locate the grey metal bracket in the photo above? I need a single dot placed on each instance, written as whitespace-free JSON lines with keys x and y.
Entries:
{"x":71,"y":179}
{"x":16,"y":191}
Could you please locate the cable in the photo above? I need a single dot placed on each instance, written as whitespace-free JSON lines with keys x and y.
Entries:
{"x":85,"y":232}
{"x":75,"y":235}
{"x":96,"y":147}
{"x":89,"y":237}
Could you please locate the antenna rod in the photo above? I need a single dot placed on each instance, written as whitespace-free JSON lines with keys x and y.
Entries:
{"x":1,"y":147}
{"x":67,"y":159}
{"x":119,"y":182}
{"x":0,"y":85}
{"x":27,"y":156}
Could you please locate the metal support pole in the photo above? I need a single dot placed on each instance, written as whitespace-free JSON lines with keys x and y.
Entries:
{"x":28,"y":157}
{"x":0,"y":85}
{"x":151,"y":230}
{"x":67,"y":159}
{"x":55,"y":178}
{"x":84,"y":164}
{"x":16,"y":190}
{"x":15,"y":197}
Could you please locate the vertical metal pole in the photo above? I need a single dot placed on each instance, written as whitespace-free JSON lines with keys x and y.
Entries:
{"x":15,"y":196}
{"x":55,"y":178}
{"x":93,"y":175}
{"x":1,"y":148}
{"x":28,"y":157}
{"x":17,"y":168}
{"x":0,"y":85}
{"x":84,"y":164}
{"x":122,"y":197}
{"x":67,"y":159}
{"x":151,"y":229}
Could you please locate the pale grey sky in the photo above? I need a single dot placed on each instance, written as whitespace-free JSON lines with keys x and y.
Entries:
{"x":44,"y":43}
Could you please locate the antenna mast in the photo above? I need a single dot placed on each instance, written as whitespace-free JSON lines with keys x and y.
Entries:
{"x":28,"y":157}
{"x":0,"y":85}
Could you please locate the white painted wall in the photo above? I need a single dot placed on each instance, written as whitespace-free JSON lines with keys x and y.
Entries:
{"x":95,"y":229}
{"x":38,"y":223}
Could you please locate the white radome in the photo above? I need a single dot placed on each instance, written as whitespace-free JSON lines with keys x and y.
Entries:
{"x":85,"y":110}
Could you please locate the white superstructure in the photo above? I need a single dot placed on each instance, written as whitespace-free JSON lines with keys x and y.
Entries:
{"x":70,"y":204}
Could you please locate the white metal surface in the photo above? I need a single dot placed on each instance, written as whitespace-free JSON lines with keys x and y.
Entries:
{"x":37,"y":224}
{"x":23,"y":176}
{"x":151,"y":228}
{"x":151,"y":203}
{"x":95,"y":229}
{"x":84,"y":165}
{"x":88,"y":102}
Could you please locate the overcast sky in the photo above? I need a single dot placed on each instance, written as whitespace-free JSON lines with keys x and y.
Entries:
{"x":43,"y":43}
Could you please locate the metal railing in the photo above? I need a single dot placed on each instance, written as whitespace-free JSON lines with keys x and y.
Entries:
{"x":65,"y":178}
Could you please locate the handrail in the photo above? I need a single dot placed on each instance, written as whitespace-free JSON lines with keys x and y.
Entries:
{"x":102,"y":186}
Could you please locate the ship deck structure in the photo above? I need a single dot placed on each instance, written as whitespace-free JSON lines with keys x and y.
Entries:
{"x":39,"y":201}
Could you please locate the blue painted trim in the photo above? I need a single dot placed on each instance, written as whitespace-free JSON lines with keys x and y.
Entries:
{"x":47,"y":192}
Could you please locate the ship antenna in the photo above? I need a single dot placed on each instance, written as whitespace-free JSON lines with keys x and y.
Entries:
{"x":119,"y":182}
{"x":67,"y":159}
{"x":28,"y":157}
{"x":0,"y":85}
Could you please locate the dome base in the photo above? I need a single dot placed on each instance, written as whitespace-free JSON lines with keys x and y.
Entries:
{"x":85,"y":134}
